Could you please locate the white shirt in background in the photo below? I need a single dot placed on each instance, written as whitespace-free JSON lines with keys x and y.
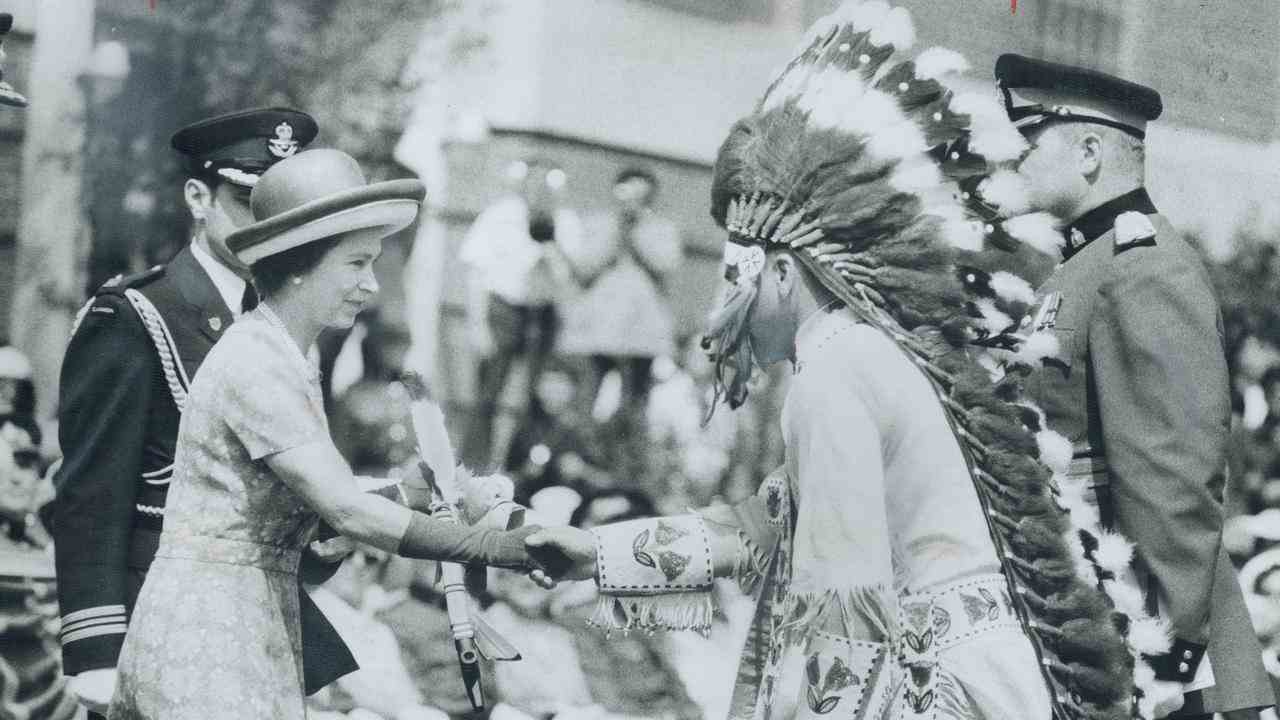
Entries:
{"x":513,"y":265}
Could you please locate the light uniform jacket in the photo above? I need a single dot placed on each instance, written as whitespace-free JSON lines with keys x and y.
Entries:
{"x":1140,"y":388}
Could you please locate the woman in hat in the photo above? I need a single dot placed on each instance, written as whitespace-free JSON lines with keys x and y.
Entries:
{"x":255,"y":468}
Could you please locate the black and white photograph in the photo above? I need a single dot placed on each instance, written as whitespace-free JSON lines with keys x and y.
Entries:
{"x":639,"y":360}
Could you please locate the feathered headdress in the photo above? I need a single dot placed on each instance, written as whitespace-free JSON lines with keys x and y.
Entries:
{"x":887,"y":185}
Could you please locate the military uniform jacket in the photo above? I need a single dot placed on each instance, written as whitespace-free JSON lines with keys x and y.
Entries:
{"x":1141,"y":390}
{"x":118,"y":427}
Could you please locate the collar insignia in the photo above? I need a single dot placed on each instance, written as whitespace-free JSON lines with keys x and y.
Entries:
{"x":215,"y":323}
{"x":283,"y":145}
{"x":1077,"y":238}
{"x":1131,"y":227}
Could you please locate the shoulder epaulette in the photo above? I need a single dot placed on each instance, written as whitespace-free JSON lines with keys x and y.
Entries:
{"x":111,"y":294}
{"x":118,"y":284}
{"x":1133,"y":229}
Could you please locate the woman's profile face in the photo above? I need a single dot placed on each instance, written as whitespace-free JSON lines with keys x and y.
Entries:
{"x":343,"y":283}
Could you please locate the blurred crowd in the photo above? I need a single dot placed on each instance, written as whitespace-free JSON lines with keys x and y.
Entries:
{"x":595,"y":407}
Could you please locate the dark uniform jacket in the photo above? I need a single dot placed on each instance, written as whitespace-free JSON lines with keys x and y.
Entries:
{"x":1141,"y":390}
{"x":118,"y":426}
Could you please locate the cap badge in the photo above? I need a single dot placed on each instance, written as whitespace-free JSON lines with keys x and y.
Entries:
{"x":1131,"y":227}
{"x":215,"y":323}
{"x":283,"y":145}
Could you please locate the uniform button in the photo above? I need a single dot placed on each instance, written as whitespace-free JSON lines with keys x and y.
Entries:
{"x":1187,"y":654}
{"x":1184,"y":668}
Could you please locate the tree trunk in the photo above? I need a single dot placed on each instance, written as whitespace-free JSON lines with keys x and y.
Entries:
{"x":52,"y":231}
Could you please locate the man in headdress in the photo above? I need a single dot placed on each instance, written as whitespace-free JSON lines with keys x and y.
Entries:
{"x":136,"y":346}
{"x":1141,"y":386}
{"x":909,"y":559}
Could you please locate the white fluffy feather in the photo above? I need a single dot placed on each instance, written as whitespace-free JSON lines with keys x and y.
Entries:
{"x":1127,"y":598}
{"x":1114,"y":552}
{"x":824,"y":25}
{"x":1036,"y":347}
{"x":964,"y":235}
{"x":1149,"y":635}
{"x":895,"y":142}
{"x":938,"y":61}
{"x":896,"y":29}
{"x":1071,"y":495}
{"x":1039,"y":230}
{"x":916,"y":175}
{"x":865,"y":15}
{"x":1006,"y":190}
{"x":1055,"y":450}
{"x":1012,"y":288}
{"x":993,"y":135}
{"x":993,"y":321}
{"x":1158,"y":693}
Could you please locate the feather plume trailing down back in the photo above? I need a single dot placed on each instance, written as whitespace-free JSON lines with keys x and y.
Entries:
{"x":855,"y":144}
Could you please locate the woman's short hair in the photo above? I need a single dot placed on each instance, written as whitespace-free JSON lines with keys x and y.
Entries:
{"x":272,"y":272}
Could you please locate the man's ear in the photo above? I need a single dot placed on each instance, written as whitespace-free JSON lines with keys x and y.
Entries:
{"x":199,"y":197}
{"x":1089,"y":153}
{"x":784,"y":266}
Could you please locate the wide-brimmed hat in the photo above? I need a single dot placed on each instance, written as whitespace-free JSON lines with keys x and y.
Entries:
{"x":318,"y":194}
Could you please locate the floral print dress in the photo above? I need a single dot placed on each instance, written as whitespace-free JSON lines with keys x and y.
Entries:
{"x":215,"y":632}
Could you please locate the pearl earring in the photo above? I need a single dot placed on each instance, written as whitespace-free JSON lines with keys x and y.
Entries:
{"x":295,"y":280}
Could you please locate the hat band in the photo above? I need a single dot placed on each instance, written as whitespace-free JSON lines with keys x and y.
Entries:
{"x":388,"y":215}
{"x":1034,"y":115}
{"x":1040,"y":117}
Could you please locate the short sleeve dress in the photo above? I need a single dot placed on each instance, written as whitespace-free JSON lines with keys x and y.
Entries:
{"x":215,"y":632}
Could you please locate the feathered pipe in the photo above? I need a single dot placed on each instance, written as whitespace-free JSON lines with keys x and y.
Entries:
{"x":472,"y":637}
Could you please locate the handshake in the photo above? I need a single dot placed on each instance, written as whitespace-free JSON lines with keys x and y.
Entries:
{"x":485,"y":503}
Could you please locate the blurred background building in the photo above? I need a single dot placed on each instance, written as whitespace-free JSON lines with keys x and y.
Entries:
{"x":464,"y":88}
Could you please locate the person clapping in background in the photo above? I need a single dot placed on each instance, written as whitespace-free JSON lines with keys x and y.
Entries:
{"x":621,"y":319}
{"x":516,"y":271}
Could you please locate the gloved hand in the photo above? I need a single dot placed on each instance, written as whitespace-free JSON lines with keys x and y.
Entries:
{"x":94,"y":688}
{"x":429,"y":538}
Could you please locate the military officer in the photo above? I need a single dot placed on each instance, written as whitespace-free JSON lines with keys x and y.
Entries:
{"x":1141,"y":385}
{"x":136,"y":346}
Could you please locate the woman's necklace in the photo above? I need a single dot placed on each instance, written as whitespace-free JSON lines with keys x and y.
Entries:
{"x":274,"y":321}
